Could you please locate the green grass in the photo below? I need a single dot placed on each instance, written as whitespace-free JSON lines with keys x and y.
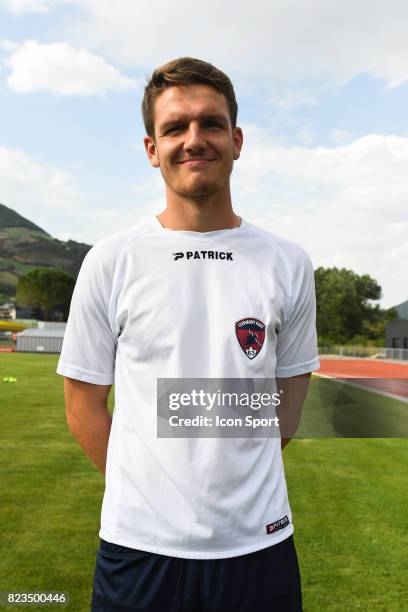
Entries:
{"x":51,"y":494}
{"x":15,"y":266}
{"x":19,"y":232}
{"x":348,"y":498}
{"x":7,"y":278}
{"x":338,"y":409}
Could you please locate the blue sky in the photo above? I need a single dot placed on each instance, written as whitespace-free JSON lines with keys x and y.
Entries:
{"x":322,"y":91}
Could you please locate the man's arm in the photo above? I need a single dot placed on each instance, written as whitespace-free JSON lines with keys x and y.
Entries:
{"x":88,"y":418}
{"x":293,"y":393}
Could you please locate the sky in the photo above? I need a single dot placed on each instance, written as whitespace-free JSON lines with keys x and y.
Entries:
{"x":322,"y":89}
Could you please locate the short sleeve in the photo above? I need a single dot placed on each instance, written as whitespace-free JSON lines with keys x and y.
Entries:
{"x":89,"y":346}
{"x":296,"y":349}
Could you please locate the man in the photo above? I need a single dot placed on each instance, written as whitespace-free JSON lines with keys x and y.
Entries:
{"x":252,"y":338}
{"x":188,"y":523}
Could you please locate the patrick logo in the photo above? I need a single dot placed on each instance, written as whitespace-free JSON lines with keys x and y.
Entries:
{"x":251,"y":335}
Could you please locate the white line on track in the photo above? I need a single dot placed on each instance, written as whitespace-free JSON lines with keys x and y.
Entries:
{"x":401,"y":398}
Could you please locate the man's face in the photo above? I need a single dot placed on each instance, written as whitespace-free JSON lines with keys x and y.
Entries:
{"x":194,"y":143}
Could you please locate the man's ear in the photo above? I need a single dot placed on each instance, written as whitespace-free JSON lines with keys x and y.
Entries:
{"x":151,"y":151}
{"x":238,"y":139}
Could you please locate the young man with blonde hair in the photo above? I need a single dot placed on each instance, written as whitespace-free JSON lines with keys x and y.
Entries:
{"x":188,"y":522}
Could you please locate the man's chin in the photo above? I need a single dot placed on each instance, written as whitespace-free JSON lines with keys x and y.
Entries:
{"x":198,"y":191}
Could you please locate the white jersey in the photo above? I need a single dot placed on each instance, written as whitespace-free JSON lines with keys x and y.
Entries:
{"x":152,"y":303}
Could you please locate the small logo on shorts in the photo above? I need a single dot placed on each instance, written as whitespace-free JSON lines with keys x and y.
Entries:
{"x":281,"y":524}
{"x":251,"y":335}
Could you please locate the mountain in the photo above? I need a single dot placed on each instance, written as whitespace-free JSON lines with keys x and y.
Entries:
{"x":9,"y":218}
{"x":25,"y":246}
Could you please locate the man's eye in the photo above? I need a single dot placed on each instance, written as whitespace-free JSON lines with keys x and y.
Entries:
{"x":212,"y":124}
{"x":175,"y":128}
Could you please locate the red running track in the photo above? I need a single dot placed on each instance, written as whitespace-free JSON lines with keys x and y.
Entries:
{"x":387,"y":376}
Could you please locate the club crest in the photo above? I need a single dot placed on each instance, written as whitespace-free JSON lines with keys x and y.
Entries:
{"x":251,"y":335}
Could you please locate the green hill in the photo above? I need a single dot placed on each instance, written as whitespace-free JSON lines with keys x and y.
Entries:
{"x":9,"y":218}
{"x":25,"y":246}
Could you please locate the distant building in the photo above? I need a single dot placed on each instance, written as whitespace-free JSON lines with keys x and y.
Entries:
{"x":396,"y":335}
{"x":402,"y":310}
{"x":46,"y":338}
{"x":7,"y":311}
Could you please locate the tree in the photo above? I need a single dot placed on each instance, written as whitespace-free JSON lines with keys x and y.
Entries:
{"x":47,"y":288}
{"x":344,"y":306}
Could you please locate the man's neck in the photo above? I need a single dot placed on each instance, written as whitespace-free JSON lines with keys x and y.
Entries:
{"x":198,"y":214}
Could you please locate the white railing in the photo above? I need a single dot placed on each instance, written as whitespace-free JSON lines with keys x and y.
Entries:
{"x":396,"y":353}
{"x":373,"y":352}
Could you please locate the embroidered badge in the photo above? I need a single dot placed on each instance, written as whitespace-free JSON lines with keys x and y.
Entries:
{"x":251,"y":335}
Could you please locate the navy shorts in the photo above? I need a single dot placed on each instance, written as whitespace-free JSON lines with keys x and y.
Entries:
{"x":264,"y":581}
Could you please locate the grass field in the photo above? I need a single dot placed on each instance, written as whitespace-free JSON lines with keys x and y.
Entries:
{"x":348,"y":497}
{"x":335,"y":408}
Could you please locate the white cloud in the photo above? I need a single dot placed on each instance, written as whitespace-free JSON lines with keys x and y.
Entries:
{"x":152,"y":184}
{"x":305,"y":135}
{"x":20,"y":7}
{"x":285,"y":39}
{"x":47,"y":195}
{"x":285,"y":96}
{"x":371,"y":161}
{"x":346,"y":205}
{"x":52,"y":198}
{"x":8,"y":45}
{"x":339,"y":136}
{"x":26,"y":181}
{"x":63,"y":69}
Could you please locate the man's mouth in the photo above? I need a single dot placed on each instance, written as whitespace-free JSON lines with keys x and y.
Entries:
{"x":196,"y":162}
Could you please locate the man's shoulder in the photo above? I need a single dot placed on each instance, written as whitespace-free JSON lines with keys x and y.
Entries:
{"x":118,"y":241}
{"x":267,"y":240}
{"x":107,"y":251}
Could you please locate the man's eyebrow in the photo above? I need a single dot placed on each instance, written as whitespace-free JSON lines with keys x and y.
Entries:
{"x":204,"y":117}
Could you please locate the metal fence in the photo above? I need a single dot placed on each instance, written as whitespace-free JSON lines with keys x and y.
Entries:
{"x":373,"y":352}
{"x":396,"y":353}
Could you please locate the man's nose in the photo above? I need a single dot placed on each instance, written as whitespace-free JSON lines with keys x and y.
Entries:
{"x":194,"y":140}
